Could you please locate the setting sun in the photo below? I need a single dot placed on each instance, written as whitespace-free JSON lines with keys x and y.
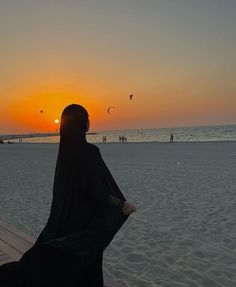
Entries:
{"x":188,"y":82}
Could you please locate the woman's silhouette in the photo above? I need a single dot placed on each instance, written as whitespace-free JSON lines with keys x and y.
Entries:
{"x":87,"y":211}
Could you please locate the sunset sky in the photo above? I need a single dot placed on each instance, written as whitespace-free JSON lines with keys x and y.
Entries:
{"x":178,"y":57}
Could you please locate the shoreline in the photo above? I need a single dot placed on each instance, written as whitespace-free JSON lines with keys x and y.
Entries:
{"x":131,"y":142}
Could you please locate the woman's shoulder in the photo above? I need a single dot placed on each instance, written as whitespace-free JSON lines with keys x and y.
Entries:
{"x":90,"y":151}
{"x":87,"y":155}
{"x":91,"y":156}
{"x":92,"y":148}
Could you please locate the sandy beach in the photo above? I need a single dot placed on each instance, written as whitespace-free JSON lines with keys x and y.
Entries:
{"x":184,"y":232}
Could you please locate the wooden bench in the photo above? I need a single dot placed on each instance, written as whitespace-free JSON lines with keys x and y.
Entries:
{"x":14,"y":243}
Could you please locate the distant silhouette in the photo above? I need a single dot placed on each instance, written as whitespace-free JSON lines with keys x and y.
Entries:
{"x":87,"y":210}
{"x":123,"y":139}
{"x":171,"y":138}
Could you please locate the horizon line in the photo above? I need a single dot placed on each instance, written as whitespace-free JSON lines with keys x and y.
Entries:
{"x":110,"y":130}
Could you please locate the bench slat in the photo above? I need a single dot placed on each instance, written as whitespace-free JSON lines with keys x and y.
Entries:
{"x":14,"y":243}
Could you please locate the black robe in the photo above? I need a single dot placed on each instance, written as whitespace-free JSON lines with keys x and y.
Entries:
{"x":82,"y":222}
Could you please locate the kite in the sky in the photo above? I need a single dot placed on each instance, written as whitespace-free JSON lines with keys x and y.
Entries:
{"x":108,"y":110}
{"x":41,"y":112}
{"x":131,"y":97}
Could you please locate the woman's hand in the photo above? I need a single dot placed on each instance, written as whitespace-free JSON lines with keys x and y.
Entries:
{"x":128,"y":208}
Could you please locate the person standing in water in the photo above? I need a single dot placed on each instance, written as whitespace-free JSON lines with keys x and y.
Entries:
{"x":171,"y":138}
{"x":87,"y":211}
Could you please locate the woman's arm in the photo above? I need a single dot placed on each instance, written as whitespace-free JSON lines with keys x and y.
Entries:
{"x":104,"y":189}
{"x":116,"y":201}
{"x":125,"y":206}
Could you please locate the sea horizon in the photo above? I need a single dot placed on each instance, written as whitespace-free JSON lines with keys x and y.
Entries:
{"x":127,"y":129}
{"x":208,"y":133}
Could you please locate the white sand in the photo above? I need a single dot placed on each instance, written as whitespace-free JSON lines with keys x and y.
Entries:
{"x":184,"y":233}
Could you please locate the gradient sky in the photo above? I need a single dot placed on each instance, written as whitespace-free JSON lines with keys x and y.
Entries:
{"x":178,"y":57}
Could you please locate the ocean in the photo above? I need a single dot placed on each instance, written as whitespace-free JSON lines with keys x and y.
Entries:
{"x":181,"y":134}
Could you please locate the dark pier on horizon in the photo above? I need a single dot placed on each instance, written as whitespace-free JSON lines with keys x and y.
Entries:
{"x":32,"y":135}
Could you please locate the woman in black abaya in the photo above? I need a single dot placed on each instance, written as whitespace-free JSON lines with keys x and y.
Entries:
{"x":87,"y":211}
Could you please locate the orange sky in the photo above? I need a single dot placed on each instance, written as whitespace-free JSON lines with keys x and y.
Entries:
{"x":177,"y":59}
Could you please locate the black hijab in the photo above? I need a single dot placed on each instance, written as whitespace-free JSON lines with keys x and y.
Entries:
{"x":82,"y":221}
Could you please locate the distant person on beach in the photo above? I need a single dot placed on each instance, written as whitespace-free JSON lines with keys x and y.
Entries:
{"x":87,"y":211}
{"x":171,"y":138}
{"x":124,"y":139}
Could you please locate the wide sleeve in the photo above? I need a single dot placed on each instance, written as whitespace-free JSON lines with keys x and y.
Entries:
{"x":106,"y":218}
{"x":103,"y":189}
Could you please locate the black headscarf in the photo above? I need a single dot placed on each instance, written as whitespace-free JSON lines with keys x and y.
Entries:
{"x":82,"y":221}
{"x":74,"y":124}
